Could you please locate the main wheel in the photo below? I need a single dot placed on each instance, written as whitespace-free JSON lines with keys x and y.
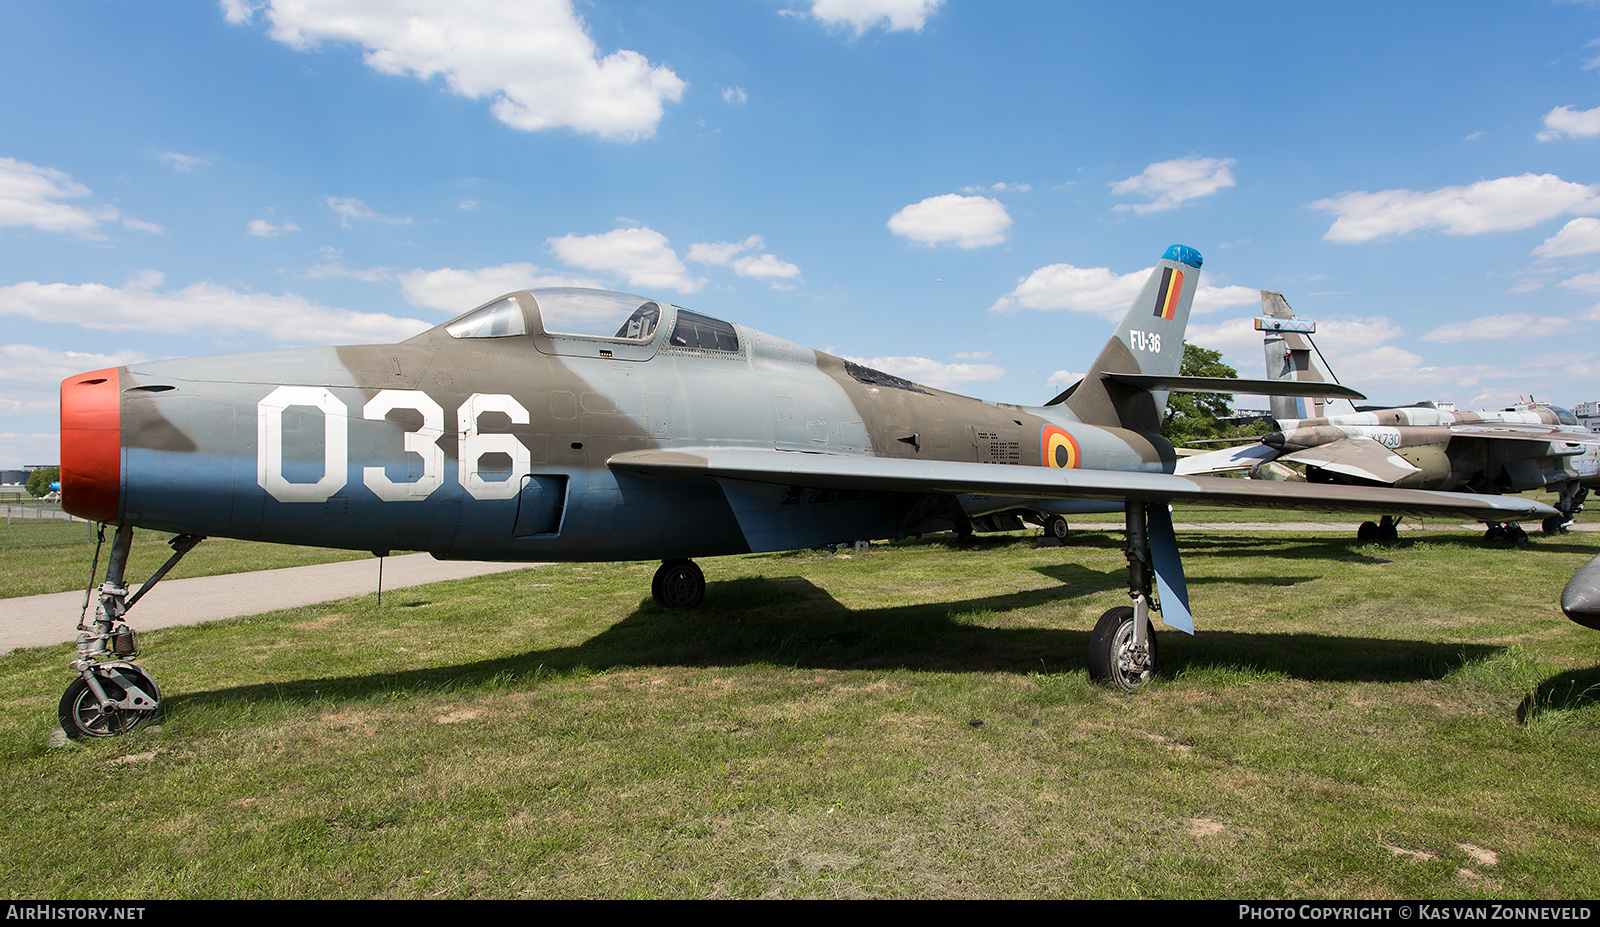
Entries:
{"x":82,"y":718}
{"x":1555,"y":524}
{"x":1056,"y":527}
{"x":678,"y":584}
{"x":1113,"y":658}
{"x":1368,"y":532}
{"x":1388,"y":532}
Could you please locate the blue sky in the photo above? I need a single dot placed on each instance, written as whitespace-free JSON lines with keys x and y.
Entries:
{"x":959,"y":192}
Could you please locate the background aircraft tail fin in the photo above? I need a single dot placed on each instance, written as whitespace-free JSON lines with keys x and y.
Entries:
{"x":1292,"y":355}
{"x":1149,"y":341}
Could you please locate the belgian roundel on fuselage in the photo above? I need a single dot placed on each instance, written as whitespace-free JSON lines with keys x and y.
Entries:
{"x":1058,"y":449}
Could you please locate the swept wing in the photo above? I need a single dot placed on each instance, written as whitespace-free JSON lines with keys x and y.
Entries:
{"x":838,"y":471}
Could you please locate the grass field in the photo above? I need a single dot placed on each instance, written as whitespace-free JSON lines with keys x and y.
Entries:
{"x":912,"y":721}
{"x":55,"y":556}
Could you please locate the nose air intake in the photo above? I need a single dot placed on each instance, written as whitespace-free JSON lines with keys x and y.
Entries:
{"x":91,"y":445}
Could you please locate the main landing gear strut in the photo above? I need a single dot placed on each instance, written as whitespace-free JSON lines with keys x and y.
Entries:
{"x":111,"y":696}
{"x":1122,"y":648}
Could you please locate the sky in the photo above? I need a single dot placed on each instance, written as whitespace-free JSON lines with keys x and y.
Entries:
{"x":965,"y":194}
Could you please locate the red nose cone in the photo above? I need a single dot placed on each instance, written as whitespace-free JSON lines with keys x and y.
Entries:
{"x":91,"y":445}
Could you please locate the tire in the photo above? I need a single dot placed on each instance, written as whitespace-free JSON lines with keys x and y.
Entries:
{"x":82,"y":718}
{"x":1555,"y":524}
{"x":1109,"y":645}
{"x":678,"y":584}
{"x":1368,"y":532}
{"x":1056,"y":527}
{"x":1388,"y":533}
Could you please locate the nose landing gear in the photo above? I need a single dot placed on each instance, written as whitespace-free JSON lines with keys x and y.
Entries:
{"x":111,"y":696}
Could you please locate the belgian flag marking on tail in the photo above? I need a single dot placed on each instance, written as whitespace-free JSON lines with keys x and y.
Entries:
{"x":1167,"y":296}
{"x":1058,"y":449}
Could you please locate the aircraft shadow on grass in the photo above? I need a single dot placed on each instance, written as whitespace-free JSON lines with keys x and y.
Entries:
{"x":1566,"y":691}
{"x":789,"y":621}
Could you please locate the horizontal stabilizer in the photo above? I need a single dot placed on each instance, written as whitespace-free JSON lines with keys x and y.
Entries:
{"x":1301,"y":326}
{"x":945,"y":477}
{"x":1179,"y":384}
{"x":1227,"y":460}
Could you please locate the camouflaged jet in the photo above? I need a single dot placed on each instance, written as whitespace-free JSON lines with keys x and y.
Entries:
{"x":1531,"y":446}
{"x":582,"y":425}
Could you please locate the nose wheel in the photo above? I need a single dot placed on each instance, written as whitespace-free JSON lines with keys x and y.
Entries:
{"x":131,"y":701}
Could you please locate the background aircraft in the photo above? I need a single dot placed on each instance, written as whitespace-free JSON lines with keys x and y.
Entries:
{"x":568,"y":424}
{"x":1533,"y":446}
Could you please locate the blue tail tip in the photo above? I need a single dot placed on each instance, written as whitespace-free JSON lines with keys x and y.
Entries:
{"x":1183,"y":254}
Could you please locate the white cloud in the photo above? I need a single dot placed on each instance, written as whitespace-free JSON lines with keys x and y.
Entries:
{"x":265,"y":229}
{"x":1580,"y":236}
{"x":200,"y":308}
{"x":1170,"y":183}
{"x":1081,"y":289}
{"x":1000,"y":187}
{"x":930,"y":372}
{"x":1104,"y":293}
{"x":1507,"y":327}
{"x":183,"y":162}
{"x":964,"y":221}
{"x":1355,"y":348}
{"x":349,"y":208}
{"x":641,"y":256}
{"x":1588,"y":283}
{"x":35,"y":365}
{"x":238,"y":11}
{"x":1496,"y":205}
{"x":28,"y":195}
{"x":760,"y":266}
{"x":25,"y":450}
{"x":457,"y":291}
{"x":333,"y":266}
{"x":1062,"y":379}
{"x":1566,"y":121}
{"x":1213,"y":298}
{"x":861,"y":15}
{"x":533,"y":58}
{"x":734,"y":95}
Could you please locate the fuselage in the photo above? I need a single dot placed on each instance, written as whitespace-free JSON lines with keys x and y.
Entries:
{"x":1511,"y":450}
{"x":488,"y":437}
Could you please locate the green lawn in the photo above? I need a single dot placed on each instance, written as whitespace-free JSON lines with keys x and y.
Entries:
{"x":912,"y":721}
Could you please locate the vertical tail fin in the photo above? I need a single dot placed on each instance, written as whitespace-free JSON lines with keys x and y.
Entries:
{"x":1149,"y":341}
{"x":1292,"y":355}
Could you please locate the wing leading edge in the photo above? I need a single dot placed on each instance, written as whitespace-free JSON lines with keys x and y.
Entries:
{"x":884,"y":474}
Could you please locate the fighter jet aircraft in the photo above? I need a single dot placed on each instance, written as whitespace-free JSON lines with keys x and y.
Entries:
{"x":1532,"y":446}
{"x":569,"y":424}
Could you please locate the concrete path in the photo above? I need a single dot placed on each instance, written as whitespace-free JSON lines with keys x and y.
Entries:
{"x":42,"y":620}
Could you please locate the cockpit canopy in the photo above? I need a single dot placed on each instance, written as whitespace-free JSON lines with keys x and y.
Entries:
{"x":578,"y":322}
{"x":1563,"y":416}
{"x":565,"y":311}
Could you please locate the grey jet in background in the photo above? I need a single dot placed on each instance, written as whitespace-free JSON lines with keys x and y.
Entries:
{"x":1532,"y":446}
